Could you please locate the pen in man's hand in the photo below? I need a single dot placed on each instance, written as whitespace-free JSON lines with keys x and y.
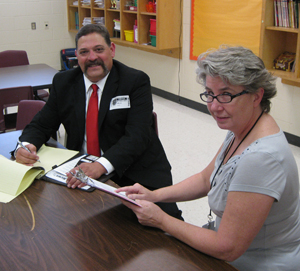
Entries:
{"x":24,"y":147}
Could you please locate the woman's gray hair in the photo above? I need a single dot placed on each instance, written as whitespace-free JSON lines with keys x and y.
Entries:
{"x":237,"y":66}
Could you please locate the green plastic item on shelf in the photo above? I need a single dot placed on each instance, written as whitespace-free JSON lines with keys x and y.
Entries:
{"x":153,"y":40}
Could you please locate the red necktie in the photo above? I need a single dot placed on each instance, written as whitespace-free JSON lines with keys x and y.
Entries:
{"x":92,"y":138}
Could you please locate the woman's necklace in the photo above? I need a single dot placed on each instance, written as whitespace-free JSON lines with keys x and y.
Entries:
{"x":210,"y":224}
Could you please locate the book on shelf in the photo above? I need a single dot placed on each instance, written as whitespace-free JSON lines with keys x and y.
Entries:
{"x":285,"y":62}
{"x":291,"y":14}
{"x":285,"y":20}
{"x":286,"y":13}
{"x":276,"y":15}
{"x":296,"y":8}
{"x":76,"y":20}
{"x":294,"y":66}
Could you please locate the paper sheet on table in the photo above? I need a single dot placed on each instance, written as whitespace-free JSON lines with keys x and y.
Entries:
{"x":110,"y":190}
{"x":66,"y":167}
{"x":53,"y":157}
{"x":59,"y":173}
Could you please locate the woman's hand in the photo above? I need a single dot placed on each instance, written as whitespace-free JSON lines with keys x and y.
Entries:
{"x":149,"y":214}
{"x":138,"y":191}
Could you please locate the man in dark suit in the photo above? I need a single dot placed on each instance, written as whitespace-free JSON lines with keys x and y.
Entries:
{"x":126,"y":141}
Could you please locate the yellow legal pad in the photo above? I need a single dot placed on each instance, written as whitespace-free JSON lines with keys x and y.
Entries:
{"x":15,"y":177}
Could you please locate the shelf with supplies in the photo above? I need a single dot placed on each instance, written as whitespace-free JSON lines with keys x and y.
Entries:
{"x":131,"y":23}
{"x":280,"y":38}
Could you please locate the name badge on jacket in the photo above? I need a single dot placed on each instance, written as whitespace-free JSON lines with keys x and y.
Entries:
{"x":120,"y":102}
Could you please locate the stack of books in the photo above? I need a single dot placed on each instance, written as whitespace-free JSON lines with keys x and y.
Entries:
{"x":98,"y":20}
{"x":86,"y":2}
{"x":99,"y":3}
{"x":286,"y":13}
{"x":117,"y":28}
{"x":87,"y":20}
{"x":117,"y":24}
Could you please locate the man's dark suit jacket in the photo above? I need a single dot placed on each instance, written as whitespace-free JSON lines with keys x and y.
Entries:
{"x":125,"y":135}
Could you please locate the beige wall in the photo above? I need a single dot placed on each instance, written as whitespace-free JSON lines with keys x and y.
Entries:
{"x":42,"y":45}
{"x":169,"y":74}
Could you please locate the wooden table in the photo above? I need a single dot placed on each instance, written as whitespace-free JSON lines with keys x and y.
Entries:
{"x":51,"y":227}
{"x":39,"y":76}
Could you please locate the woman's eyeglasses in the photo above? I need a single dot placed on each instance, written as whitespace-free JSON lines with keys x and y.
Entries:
{"x":221,"y":98}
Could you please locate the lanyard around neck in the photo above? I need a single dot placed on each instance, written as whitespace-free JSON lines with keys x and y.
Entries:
{"x":229,"y":147}
{"x":210,"y":218}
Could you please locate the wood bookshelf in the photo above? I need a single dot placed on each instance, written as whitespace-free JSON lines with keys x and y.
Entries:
{"x":168,"y":17}
{"x":276,"y":40}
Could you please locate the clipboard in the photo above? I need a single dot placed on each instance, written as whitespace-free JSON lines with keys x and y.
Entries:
{"x":58,"y":173}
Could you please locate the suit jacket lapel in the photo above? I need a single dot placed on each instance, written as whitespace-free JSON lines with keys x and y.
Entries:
{"x":108,"y":93}
{"x":79,"y":97}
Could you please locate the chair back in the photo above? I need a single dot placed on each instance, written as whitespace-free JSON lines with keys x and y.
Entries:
{"x":27,"y":109}
{"x":12,"y":97}
{"x":12,"y":58}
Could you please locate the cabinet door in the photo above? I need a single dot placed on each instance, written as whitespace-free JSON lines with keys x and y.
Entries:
{"x":73,"y":16}
{"x":169,"y":24}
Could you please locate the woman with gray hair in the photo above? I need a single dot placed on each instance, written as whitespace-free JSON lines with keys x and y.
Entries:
{"x":252,"y":183}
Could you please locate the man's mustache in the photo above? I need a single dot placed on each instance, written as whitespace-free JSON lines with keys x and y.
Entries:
{"x":97,"y":62}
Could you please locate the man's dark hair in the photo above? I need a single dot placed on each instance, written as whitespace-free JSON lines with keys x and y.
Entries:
{"x":93,"y":28}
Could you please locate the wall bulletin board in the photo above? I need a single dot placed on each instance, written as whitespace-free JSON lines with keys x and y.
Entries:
{"x":232,"y":22}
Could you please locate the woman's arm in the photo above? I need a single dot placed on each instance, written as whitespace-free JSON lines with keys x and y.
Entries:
{"x":194,"y":187}
{"x":244,"y":216}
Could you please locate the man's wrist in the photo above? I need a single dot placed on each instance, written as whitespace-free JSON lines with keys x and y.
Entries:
{"x":106,"y":164}
{"x":19,"y":146}
{"x":15,"y":152}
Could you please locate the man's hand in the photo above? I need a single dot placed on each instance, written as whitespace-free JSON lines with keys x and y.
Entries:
{"x":92,"y":170}
{"x":25,"y":157}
